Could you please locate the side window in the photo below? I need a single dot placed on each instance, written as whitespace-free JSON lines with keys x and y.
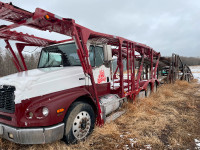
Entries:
{"x":96,"y":56}
{"x":55,"y":59}
{"x":91,"y":56}
{"x":99,"y":57}
{"x":43,"y":59}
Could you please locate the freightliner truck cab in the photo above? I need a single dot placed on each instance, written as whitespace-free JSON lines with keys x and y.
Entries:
{"x":55,"y":100}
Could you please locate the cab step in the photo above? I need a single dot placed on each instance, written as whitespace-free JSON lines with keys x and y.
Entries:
{"x":114,"y":116}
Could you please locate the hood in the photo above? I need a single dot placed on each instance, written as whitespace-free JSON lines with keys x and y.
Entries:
{"x":43,"y":81}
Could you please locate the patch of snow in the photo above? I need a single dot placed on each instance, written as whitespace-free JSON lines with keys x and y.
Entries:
{"x":196,"y":72}
{"x":148,"y":146}
{"x":197,"y":142}
{"x":197,"y":76}
{"x":195,"y":68}
{"x":126,"y":147}
{"x":133,"y":141}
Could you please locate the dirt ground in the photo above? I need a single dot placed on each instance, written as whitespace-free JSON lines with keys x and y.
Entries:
{"x":168,"y":119}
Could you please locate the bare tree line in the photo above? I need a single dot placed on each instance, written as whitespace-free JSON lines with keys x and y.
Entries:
{"x":8,"y":67}
{"x":191,"y":61}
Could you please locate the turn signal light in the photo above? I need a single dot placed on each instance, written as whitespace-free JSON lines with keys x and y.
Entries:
{"x":46,"y":17}
{"x":60,"y":110}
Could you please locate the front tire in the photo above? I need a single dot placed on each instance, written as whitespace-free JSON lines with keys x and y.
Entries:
{"x":79,"y":122}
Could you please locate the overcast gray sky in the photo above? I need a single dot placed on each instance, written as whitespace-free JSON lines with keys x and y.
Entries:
{"x":168,"y":26}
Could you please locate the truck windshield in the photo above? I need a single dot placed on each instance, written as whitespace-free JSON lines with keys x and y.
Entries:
{"x":59,"y":56}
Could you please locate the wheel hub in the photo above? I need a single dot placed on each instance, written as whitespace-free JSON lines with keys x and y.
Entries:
{"x":81,"y":125}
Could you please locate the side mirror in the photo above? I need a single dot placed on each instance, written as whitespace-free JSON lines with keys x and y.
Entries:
{"x":107,"y":53}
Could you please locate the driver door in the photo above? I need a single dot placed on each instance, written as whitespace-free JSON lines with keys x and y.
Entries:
{"x":101,"y":73}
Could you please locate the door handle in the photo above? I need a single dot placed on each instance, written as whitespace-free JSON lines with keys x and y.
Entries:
{"x":82,"y":78}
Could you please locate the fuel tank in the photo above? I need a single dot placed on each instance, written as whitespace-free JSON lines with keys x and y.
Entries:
{"x":109,"y":103}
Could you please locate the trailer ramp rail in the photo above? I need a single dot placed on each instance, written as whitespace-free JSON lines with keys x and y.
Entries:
{"x":46,"y":21}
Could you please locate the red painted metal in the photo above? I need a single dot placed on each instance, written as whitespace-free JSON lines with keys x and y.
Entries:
{"x":128,"y":66}
{"x":20,"y":47}
{"x":114,"y":75}
{"x":84,"y":57}
{"x":133,"y":68}
{"x":155,"y":69}
{"x":49,"y":101}
{"x":151,"y":56}
{"x":140,"y":71}
{"x":26,"y":38}
{"x":14,"y":55}
{"x":121,"y":71}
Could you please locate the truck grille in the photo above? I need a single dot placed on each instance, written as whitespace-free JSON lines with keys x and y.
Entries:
{"x":7,"y":98}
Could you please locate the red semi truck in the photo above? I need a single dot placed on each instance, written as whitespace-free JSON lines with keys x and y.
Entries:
{"x":78,"y":83}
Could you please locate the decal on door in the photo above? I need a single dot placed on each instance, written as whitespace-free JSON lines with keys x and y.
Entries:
{"x":101,"y":76}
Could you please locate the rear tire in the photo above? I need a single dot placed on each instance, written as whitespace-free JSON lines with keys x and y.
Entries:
{"x":148,"y":91}
{"x":155,"y":87}
{"x":189,"y":79}
{"x":79,"y":122}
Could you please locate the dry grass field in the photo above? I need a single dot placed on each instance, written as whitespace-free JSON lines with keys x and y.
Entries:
{"x":168,"y":119}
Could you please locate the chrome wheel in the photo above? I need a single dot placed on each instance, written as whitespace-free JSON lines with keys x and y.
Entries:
{"x":79,"y":122}
{"x":81,"y":125}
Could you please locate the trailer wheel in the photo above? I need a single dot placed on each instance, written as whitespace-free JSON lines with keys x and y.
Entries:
{"x":148,"y":91}
{"x":189,"y":79}
{"x":79,"y":122}
{"x":155,"y":87}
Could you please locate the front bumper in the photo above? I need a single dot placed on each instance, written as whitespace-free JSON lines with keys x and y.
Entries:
{"x":32,"y":135}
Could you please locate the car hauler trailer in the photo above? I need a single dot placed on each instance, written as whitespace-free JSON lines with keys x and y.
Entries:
{"x":172,"y":69}
{"x":76,"y":84}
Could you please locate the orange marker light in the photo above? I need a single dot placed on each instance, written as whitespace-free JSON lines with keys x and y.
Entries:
{"x":60,"y":110}
{"x":46,"y":17}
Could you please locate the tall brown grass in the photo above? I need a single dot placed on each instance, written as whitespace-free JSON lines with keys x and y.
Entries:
{"x":168,"y":119}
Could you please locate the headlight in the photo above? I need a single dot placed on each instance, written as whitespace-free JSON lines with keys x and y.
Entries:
{"x":45,"y":111}
{"x":38,"y":113}
{"x":29,"y":115}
